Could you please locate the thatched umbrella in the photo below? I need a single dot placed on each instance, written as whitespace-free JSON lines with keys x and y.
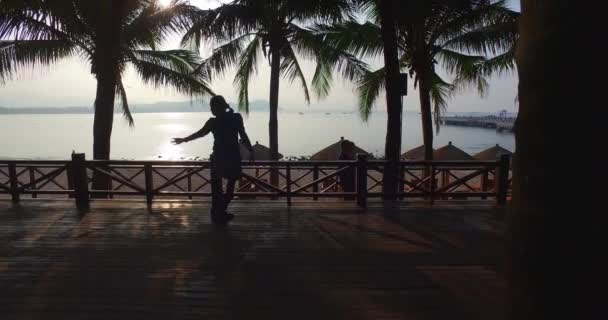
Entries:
{"x":260,"y":152}
{"x":332,"y":151}
{"x":414,"y":154}
{"x":450,"y":153}
{"x":492,"y":153}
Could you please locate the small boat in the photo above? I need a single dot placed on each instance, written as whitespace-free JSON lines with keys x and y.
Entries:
{"x":300,"y":113}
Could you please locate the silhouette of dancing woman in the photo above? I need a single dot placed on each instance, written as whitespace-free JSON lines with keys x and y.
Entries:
{"x":225,"y":159}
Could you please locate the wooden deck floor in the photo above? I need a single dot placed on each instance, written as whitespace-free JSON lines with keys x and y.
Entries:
{"x":314,"y":261}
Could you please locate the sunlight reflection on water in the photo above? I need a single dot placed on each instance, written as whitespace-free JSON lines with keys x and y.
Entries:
{"x":55,"y":136}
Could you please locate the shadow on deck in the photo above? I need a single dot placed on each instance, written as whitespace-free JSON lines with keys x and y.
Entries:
{"x":313,"y":261}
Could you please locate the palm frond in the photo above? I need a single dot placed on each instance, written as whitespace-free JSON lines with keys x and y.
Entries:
{"x":460,"y":21}
{"x":312,"y":46}
{"x":124,"y":103}
{"x":370,"y":10}
{"x":168,"y":74}
{"x":322,"y":79}
{"x":440,"y":91}
{"x":500,"y":64}
{"x":222,"y":24}
{"x":369,"y":87}
{"x":487,"y":40}
{"x":224,"y":57}
{"x":182,"y":61}
{"x":459,"y":63}
{"x":16,"y":55}
{"x":361,"y":40}
{"x":153,"y":23}
{"x":476,"y":79}
{"x":247,"y":67}
{"x":324,"y":11}
{"x":23,"y":24}
{"x":468,"y":70}
{"x":290,"y":68}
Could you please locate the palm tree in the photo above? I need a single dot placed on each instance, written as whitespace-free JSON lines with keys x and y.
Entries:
{"x":243,"y":30}
{"x":469,"y":39}
{"x":392,"y":150}
{"x":556,"y":266}
{"x":109,"y":35}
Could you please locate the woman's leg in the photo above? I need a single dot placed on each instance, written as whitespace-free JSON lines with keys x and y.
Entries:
{"x":229,"y":193}
{"x":217,"y":196}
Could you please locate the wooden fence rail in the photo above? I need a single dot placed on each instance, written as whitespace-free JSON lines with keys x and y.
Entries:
{"x":352,"y":180}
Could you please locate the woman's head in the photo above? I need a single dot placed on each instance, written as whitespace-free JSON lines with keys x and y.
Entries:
{"x":219,"y":106}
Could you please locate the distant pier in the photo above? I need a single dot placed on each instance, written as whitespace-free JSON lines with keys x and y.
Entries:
{"x":490,"y":122}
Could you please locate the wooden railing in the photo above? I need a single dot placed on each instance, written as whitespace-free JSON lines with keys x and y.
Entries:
{"x":427,"y":180}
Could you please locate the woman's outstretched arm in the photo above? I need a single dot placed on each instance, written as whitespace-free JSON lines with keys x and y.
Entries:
{"x":199,"y":134}
{"x":244,"y":135}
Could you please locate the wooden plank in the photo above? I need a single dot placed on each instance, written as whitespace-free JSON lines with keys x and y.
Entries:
{"x":123,"y":259}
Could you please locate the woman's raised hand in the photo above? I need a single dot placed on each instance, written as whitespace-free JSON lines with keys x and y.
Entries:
{"x":177,"y":141}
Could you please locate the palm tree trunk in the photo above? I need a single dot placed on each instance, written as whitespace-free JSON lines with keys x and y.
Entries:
{"x":104,"y":118}
{"x":425,"y":111}
{"x":273,"y":123}
{"x":427,"y":122}
{"x":102,"y":129}
{"x":392,"y":149}
{"x":106,"y":70}
{"x":556,"y":235}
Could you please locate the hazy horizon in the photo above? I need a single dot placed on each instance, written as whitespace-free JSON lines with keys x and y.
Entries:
{"x":69,"y":83}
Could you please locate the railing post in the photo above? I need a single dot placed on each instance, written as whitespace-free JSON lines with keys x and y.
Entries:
{"x":485,"y":181}
{"x":401,"y":180}
{"x":80,"y":180}
{"x":502,"y":179}
{"x":190,"y":183}
{"x":288,"y":184}
{"x":362,"y":180}
{"x":32,"y":179}
{"x":315,"y":177}
{"x":431,"y":183}
{"x":149,"y":183}
{"x":70,"y":176}
{"x":14,"y":184}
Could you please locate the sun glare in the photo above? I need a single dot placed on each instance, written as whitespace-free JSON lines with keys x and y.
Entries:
{"x":164,"y":3}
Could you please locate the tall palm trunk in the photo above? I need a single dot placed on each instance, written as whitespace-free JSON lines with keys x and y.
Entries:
{"x":556,"y":234}
{"x":392,"y":149}
{"x":106,"y":70}
{"x":104,"y":116}
{"x":102,"y":125}
{"x":273,"y":123}
{"x":424,"y":88}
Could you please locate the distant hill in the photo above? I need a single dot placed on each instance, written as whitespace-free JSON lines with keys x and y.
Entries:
{"x":46,"y":110}
{"x":159,"y":107}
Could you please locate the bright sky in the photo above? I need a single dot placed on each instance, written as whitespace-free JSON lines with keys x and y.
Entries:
{"x":69,"y":83}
